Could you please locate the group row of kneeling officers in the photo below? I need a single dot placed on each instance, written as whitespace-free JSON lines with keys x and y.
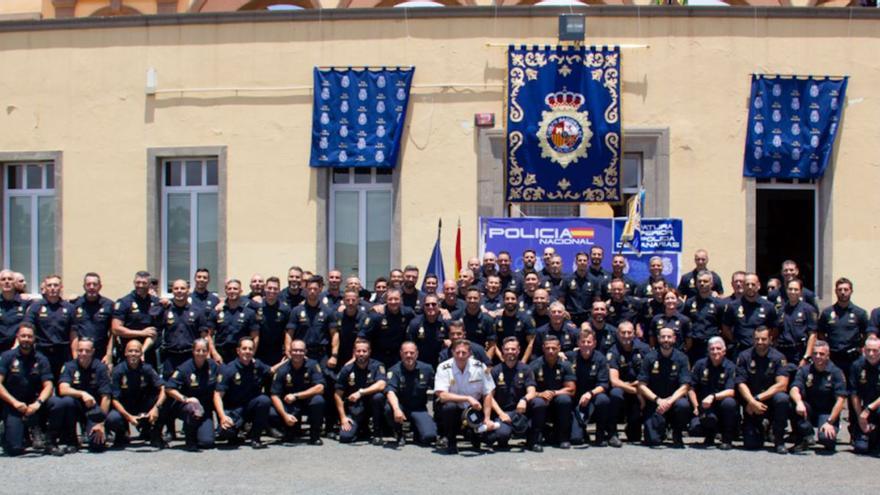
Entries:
{"x":550,"y":400}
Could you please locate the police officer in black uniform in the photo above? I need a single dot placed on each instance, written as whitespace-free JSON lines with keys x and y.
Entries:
{"x":451,"y":307}
{"x":762,"y":381}
{"x":427,"y":332}
{"x":478,"y":325}
{"x":506,"y":275}
{"x":743,"y":316}
{"x":138,"y":394}
{"x":513,"y":322}
{"x":540,"y":310}
{"x":705,"y":312}
{"x":797,"y":328}
{"x":791,"y":272}
{"x":655,"y":273}
{"x":712,"y":396}
{"x":591,"y":396}
{"x":687,"y":286}
{"x":84,"y":391}
{"x":271,"y":317}
{"x":555,"y":384}
{"x":672,"y":318}
{"x":298,"y":387}
{"x":388,"y":330}
{"x":624,"y":363}
{"x":864,"y":389}
{"x":406,"y":393}
{"x":597,"y":275}
{"x":229,"y":323}
{"x":132,"y":318}
{"x":12,"y":310}
{"x":180,"y":324}
{"x":664,"y":381}
{"x":844,"y":326}
{"x":293,"y":293}
{"x":313,"y":323}
{"x":559,"y":327}
{"x":618,"y":265}
{"x":191,"y":387}
{"x":621,"y":306}
{"x":605,"y":332}
{"x":239,"y":398}
{"x":493,"y":298}
{"x":332,"y":296}
{"x":651,"y":307}
{"x":819,"y":394}
{"x":578,"y":290}
{"x":410,"y":296}
{"x":201,"y":298}
{"x":25,"y":389}
{"x":360,"y":396}
{"x":52,"y":318}
{"x":92,"y":315}
{"x":553,"y":282}
{"x":455,"y":331}
{"x":514,"y":390}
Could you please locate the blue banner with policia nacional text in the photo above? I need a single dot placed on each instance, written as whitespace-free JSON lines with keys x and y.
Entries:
{"x":792,"y":125}
{"x":358,"y":116}
{"x":563,"y":124}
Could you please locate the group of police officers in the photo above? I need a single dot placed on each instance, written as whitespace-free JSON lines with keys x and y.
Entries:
{"x":496,"y":355}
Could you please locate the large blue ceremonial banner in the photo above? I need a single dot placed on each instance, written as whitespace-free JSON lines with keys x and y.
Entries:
{"x":358,"y":116}
{"x":563,"y":124}
{"x":792,"y":125}
{"x":661,"y":237}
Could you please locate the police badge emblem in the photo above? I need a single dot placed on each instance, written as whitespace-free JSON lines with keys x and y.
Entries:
{"x":564,"y":133}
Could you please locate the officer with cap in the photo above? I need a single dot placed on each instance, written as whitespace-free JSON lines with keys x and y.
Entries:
{"x":359,"y":396}
{"x":84,"y":391}
{"x":180,"y":324}
{"x":133,"y":317}
{"x":137,"y":395}
{"x":624,"y":364}
{"x":298,"y":387}
{"x":664,"y":381}
{"x":25,"y":389}
{"x":705,"y":312}
{"x":427,"y":331}
{"x":238,"y":397}
{"x":52,"y":319}
{"x":407,"y":396}
{"x":514,"y":389}
{"x":761,"y":380}
{"x":864,"y":388}
{"x":230,"y":322}
{"x":191,"y":387}
{"x":819,"y":394}
{"x":592,"y":402}
{"x":555,"y":384}
{"x":844,"y":326}
{"x":712,"y":396}
{"x":462,"y":383}
{"x":12,"y":310}
{"x":92,"y":317}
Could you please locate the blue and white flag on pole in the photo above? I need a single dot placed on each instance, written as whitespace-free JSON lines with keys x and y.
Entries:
{"x":435,"y":264}
{"x":359,"y":116}
{"x":632,"y":230}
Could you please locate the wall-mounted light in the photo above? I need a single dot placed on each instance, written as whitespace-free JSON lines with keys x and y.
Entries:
{"x":152,"y":81}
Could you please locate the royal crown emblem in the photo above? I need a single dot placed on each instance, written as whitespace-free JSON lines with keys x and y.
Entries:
{"x":564,"y":133}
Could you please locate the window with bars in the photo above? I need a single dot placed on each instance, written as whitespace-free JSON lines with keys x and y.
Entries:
{"x":29,"y":223}
{"x":190,"y":208}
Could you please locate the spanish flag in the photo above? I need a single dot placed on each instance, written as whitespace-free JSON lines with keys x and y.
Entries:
{"x":458,"y":250}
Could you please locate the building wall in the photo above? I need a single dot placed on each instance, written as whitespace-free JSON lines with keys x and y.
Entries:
{"x":81,"y":91}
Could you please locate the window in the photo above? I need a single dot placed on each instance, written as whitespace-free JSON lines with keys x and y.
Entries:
{"x":361,"y":211}
{"x":190,"y":219}
{"x":29,"y":221}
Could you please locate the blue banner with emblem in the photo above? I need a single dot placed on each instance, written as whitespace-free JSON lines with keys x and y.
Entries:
{"x":563,"y":124}
{"x":358,"y":116}
{"x":792,"y":125}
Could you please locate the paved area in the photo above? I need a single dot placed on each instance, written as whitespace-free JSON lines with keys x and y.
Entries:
{"x":365,"y":469}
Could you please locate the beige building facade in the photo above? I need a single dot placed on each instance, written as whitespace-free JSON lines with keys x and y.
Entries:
{"x":106,"y":109}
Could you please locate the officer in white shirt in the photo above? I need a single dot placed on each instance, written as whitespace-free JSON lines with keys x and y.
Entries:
{"x":460,"y":383}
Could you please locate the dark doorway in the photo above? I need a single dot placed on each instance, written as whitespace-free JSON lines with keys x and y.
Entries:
{"x":786,"y":229}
